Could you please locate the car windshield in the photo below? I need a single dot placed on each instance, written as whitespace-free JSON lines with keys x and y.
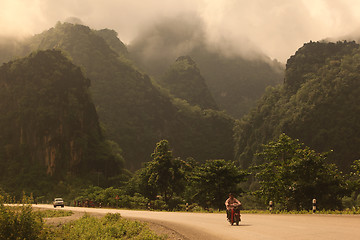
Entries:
{"x":58,"y":199}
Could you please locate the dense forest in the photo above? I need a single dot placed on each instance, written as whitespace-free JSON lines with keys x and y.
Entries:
{"x":317,"y":104}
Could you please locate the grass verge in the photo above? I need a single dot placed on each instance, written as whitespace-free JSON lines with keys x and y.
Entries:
{"x":53,"y":213}
{"x":112,"y":226}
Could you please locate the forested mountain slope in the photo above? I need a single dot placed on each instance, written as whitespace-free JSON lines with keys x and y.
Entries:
{"x":184,"y":80}
{"x":134,"y":112}
{"x":318,"y":104}
{"x":48,"y":124}
{"x":111,"y":38}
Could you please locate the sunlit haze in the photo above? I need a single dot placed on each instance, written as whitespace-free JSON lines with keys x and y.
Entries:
{"x":276,"y":28}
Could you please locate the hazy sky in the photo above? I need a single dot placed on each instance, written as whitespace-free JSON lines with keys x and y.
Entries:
{"x":277,"y":27}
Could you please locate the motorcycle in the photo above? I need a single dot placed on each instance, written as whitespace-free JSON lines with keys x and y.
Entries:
{"x":235,"y":216}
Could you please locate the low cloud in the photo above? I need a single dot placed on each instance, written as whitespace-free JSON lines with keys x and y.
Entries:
{"x":277,"y":28}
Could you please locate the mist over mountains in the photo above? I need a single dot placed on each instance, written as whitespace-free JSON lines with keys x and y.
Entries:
{"x":235,"y":80}
{"x":275,"y":28}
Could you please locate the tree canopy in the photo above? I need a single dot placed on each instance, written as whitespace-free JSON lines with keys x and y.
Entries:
{"x":212,"y":182}
{"x":293,"y":174}
{"x":164,"y":172}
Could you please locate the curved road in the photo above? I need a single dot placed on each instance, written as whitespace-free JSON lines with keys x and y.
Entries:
{"x":253,"y":226}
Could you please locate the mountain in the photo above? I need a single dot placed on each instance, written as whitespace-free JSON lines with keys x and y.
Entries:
{"x":49,"y":127}
{"x":111,"y":38}
{"x":317,"y":104}
{"x":128,"y":105}
{"x":134,"y":112}
{"x":235,"y":82}
{"x":184,"y":80}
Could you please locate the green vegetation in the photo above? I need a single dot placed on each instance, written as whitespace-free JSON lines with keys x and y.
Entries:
{"x":51,"y":142}
{"x":293,"y":175}
{"x":49,"y":129}
{"x":212,"y":181}
{"x":168,"y":183}
{"x":20,"y":222}
{"x":184,"y":181}
{"x":316,"y":104}
{"x":348,"y":211}
{"x":112,"y":226}
{"x":163,"y":174}
{"x":111,"y":38}
{"x":184,"y":81}
{"x":53,"y":213}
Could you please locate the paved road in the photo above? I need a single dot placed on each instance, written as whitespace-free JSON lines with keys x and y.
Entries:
{"x":253,"y":226}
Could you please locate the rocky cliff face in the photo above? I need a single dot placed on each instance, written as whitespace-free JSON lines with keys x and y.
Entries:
{"x":47,"y":117}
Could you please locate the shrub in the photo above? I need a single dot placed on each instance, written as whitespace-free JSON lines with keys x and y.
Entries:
{"x":20,"y":222}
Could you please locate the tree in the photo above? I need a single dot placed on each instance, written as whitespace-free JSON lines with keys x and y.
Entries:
{"x":293,"y":175}
{"x":163,"y":173}
{"x":353,"y":181}
{"x":212,"y":181}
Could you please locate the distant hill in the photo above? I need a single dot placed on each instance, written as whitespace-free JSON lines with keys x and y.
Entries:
{"x":111,"y":38}
{"x":135,"y":113}
{"x":185,"y":81}
{"x":49,"y":129}
{"x":235,"y":82}
{"x":317,"y":104}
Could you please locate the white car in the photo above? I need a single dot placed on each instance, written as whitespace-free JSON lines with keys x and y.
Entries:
{"x":58,"y":202}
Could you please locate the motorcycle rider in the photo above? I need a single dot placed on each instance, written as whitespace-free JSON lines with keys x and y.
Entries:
{"x":229,"y":203}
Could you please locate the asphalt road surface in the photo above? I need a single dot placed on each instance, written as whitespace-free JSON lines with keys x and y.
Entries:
{"x":252,"y":227}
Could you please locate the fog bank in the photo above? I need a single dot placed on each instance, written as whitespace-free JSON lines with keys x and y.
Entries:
{"x":276,"y":28}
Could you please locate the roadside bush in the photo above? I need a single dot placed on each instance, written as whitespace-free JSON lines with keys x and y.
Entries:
{"x":20,"y":222}
{"x":175,"y":203}
{"x":159,"y":205}
{"x":351,"y":201}
{"x":133,"y":202}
